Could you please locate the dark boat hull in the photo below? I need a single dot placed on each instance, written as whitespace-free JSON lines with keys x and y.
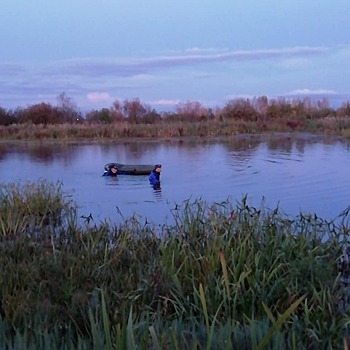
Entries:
{"x":130,"y":169}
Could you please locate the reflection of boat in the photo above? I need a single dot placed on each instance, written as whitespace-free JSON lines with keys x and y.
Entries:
{"x":129,"y":169}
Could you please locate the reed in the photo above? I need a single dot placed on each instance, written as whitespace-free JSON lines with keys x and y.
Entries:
{"x":33,"y":208}
{"x":166,"y":129}
{"x":224,"y":275}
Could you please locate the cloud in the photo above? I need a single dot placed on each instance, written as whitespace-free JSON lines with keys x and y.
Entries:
{"x":335,"y":98}
{"x":344,"y":51}
{"x":164,"y":102}
{"x":203,"y":50}
{"x":93,"y":80}
{"x":239,"y":96}
{"x":129,"y":67}
{"x":302,"y":92}
{"x":10,"y":68}
{"x":200,"y":75}
{"x":97,"y":97}
{"x":297,"y":62}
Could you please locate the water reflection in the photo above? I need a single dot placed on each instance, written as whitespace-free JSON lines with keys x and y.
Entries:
{"x":112,"y":180}
{"x":38,"y":151}
{"x":245,"y":143}
{"x":157,"y":191}
{"x":137,"y":149}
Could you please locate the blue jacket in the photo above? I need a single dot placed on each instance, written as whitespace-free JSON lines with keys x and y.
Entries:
{"x":154,"y":178}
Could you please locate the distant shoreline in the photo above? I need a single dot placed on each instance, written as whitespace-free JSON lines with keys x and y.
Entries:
{"x":201,"y":129}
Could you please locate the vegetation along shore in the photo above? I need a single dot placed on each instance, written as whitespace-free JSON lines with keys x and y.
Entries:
{"x":223,"y":276}
{"x":132,"y":118}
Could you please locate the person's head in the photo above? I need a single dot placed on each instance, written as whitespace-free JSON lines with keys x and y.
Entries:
{"x":158,"y":168}
{"x":114,"y":170}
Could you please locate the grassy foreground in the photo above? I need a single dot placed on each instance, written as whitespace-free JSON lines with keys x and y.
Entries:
{"x":223,"y":276}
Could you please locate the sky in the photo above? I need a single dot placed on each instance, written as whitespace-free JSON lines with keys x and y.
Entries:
{"x":166,"y":52}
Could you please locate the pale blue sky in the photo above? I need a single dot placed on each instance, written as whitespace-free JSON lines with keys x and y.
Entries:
{"x":166,"y":52}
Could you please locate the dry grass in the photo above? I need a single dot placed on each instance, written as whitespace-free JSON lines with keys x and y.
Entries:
{"x":167,"y":129}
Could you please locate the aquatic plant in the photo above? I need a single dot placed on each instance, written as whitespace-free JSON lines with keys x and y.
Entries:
{"x":223,"y":275}
{"x":33,"y":208}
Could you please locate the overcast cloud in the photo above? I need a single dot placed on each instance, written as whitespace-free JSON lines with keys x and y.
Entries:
{"x":166,"y":52}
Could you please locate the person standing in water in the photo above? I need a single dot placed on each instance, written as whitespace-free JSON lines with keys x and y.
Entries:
{"x":112,"y":170}
{"x":154,"y":176}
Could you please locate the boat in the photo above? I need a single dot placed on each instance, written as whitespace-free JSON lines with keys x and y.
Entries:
{"x":128,"y":169}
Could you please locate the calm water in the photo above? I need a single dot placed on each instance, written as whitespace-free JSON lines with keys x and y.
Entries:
{"x":303,"y":172}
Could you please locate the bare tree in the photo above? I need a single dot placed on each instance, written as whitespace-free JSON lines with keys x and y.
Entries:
{"x":68,"y":107}
{"x":191,"y":111}
{"x":42,"y":113}
{"x":117,"y":111}
{"x":134,"y":110}
{"x":240,"y":109}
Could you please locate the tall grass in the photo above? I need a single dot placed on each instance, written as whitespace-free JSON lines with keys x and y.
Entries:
{"x":33,"y":207}
{"x":223,"y":276}
{"x":168,"y":129}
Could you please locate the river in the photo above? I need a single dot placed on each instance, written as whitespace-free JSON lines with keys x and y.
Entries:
{"x":296,"y":172}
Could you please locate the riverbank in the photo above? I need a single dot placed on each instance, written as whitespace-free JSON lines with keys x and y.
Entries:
{"x":222,"y":276}
{"x":207,"y":128}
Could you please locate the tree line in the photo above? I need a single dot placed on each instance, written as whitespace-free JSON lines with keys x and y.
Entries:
{"x":134,"y":111}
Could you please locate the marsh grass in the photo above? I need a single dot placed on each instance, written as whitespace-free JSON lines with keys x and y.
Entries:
{"x":223,"y":276}
{"x":168,"y":129}
{"x":33,"y":208}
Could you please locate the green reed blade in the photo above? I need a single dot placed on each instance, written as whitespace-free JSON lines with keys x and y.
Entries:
{"x":224,"y":271}
{"x":106,"y":325}
{"x":130,"y":339}
{"x":279,"y":322}
{"x":175,"y":342}
{"x":269,"y":313}
{"x":155,"y":341}
{"x":212,"y":328}
{"x":204,"y":305}
{"x":97,"y":341}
